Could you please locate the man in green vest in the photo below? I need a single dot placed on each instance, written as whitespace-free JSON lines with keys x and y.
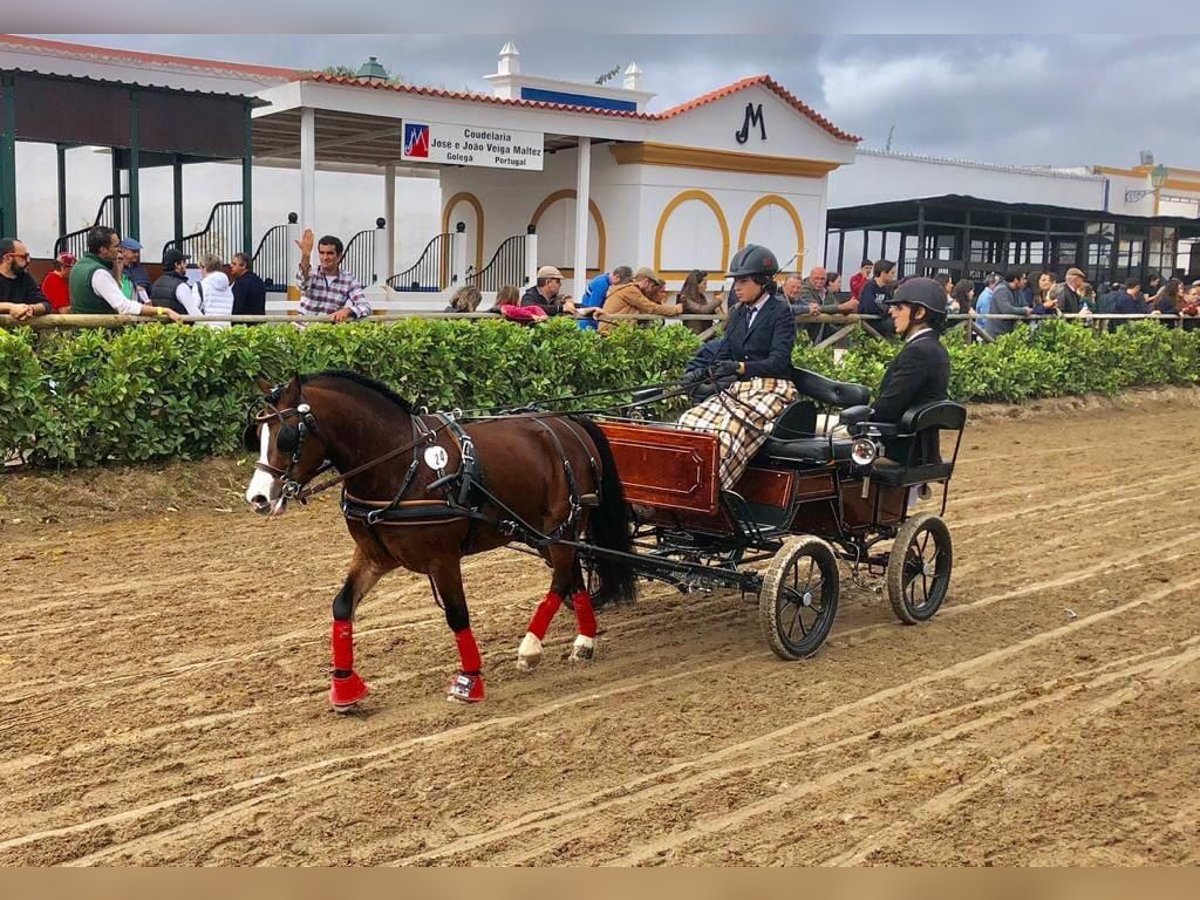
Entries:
{"x":94,"y":284}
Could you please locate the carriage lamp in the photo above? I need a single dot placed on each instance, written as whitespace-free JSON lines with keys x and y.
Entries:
{"x":863,"y":451}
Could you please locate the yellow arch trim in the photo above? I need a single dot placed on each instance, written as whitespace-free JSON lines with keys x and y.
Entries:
{"x":593,"y":209}
{"x":449,"y":208}
{"x":683,"y":197}
{"x":784,"y":204}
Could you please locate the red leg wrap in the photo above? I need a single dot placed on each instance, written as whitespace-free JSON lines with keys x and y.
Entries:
{"x":468,"y":651}
{"x":584,"y":613}
{"x":343,"y":646}
{"x":540,"y":622}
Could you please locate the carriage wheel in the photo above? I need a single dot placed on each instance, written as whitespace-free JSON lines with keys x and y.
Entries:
{"x":799,"y":597}
{"x":918,"y":569}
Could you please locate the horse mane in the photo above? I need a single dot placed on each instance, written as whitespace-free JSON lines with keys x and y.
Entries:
{"x":363,"y":381}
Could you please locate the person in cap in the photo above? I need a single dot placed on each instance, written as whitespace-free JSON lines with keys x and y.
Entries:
{"x":752,"y":365}
{"x":545,"y":293}
{"x":20,"y":295}
{"x":640,"y":295}
{"x":55,"y":286}
{"x":131,"y":257}
{"x":172,"y":290}
{"x":920,"y":372}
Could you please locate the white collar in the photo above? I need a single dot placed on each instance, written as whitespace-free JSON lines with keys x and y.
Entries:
{"x":913,"y":337}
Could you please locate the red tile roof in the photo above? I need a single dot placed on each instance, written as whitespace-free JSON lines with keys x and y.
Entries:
{"x":420,"y":91}
{"x":764,"y":80}
{"x":772,"y":85}
{"x":89,"y":51}
{"x":285,"y":74}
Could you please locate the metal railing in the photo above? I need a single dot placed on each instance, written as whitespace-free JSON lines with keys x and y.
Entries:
{"x":271,"y":258}
{"x":506,"y":267}
{"x":359,"y":256}
{"x":222,"y":233}
{"x":426,"y":273}
{"x":76,"y":241}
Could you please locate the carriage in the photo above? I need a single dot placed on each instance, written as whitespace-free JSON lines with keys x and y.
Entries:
{"x":806,"y":501}
{"x":627,"y":497}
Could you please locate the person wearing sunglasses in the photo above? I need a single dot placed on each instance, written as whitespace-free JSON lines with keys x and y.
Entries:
{"x":20,"y":296}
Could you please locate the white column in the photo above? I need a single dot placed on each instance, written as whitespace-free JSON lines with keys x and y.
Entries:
{"x":458,"y":260}
{"x":308,"y":168}
{"x":531,"y":264}
{"x":389,"y":213}
{"x":583,"y":185}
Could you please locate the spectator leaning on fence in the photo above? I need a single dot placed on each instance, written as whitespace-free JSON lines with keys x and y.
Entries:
{"x":1128,"y":302}
{"x":545,"y":293}
{"x":20,"y":295}
{"x":695,"y":300}
{"x":639,"y":296}
{"x":249,"y":291}
{"x":596,"y":291}
{"x":329,"y":291}
{"x":54,"y":285}
{"x":94,"y":290}
{"x":1190,"y":310}
{"x":1006,"y":302}
{"x":873,"y":296}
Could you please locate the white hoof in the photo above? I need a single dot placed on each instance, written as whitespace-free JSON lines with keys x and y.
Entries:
{"x":529,"y":654}
{"x":583,"y":650}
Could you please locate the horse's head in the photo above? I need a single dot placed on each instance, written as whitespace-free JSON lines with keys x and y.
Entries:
{"x":282,"y":429}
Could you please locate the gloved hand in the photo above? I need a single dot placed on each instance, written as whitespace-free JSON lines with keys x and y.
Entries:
{"x":692,"y":377}
{"x":723,"y":368}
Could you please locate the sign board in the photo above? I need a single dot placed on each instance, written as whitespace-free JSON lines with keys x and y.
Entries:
{"x":469,"y":145}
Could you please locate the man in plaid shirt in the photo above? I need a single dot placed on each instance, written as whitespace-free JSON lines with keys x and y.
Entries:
{"x":329,"y":291}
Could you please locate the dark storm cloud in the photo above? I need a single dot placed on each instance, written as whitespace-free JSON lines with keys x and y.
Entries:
{"x":1041,"y":99}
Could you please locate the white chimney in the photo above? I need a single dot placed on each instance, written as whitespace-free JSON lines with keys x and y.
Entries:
{"x":510,"y":63}
{"x":633,"y":78}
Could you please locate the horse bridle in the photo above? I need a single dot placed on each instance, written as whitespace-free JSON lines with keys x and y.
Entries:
{"x":305,"y":424}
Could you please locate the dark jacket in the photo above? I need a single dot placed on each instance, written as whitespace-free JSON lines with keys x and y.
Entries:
{"x":872,"y":301}
{"x":919,"y":373}
{"x":162,"y":292}
{"x":1005,"y":303}
{"x":249,"y":296}
{"x":765,"y":348}
{"x":533,"y":297}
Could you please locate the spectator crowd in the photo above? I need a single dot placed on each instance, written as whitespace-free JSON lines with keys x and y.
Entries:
{"x":111,"y":278}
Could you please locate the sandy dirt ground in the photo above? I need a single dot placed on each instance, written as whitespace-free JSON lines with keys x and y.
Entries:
{"x":165,"y":659}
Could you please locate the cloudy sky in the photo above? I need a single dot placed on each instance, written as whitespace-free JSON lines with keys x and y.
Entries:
{"x":1045,"y":99}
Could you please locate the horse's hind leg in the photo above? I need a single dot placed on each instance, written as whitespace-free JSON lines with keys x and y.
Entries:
{"x":585,"y":615}
{"x":467,"y":685}
{"x":347,"y":688}
{"x":567,"y":578}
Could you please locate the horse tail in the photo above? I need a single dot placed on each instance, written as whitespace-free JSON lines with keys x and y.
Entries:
{"x":609,"y":525}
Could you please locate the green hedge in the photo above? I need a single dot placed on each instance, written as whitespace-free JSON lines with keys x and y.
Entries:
{"x":160,"y":392}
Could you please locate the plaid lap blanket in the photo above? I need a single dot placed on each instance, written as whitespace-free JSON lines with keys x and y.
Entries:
{"x":742,"y":417}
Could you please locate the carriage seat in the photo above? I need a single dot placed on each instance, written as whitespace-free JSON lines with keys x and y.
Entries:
{"x":913,"y":455}
{"x":836,"y":394}
{"x":810,"y":450}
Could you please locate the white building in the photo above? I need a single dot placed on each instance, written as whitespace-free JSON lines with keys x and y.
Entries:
{"x":578,"y":175}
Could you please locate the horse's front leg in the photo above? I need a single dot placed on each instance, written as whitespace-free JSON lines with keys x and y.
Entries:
{"x":467,"y":685}
{"x":347,"y":688}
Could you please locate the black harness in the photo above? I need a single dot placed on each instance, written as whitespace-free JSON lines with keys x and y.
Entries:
{"x":465,"y":491}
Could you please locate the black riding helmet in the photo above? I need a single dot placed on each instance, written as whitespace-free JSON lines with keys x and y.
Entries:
{"x":756,"y":261}
{"x":921,"y":292}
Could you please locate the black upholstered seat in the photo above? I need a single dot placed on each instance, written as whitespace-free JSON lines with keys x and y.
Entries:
{"x":816,"y":450}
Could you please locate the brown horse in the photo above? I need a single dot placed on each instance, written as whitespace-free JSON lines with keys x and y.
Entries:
{"x":421,"y":491}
